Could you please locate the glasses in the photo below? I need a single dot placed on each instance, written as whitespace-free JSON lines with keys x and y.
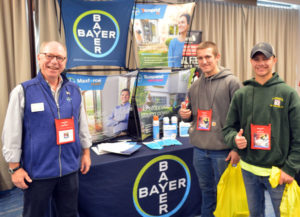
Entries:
{"x":50,"y":57}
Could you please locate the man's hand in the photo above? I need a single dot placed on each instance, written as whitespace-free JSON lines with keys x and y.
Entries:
{"x":19,"y":177}
{"x":234,"y":157}
{"x":240,"y":140}
{"x":85,"y":161}
{"x":285,"y":178}
{"x":184,"y":112}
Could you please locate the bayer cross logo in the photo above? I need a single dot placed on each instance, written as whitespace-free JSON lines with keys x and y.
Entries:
{"x":159,"y":191}
{"x":96,"y":32}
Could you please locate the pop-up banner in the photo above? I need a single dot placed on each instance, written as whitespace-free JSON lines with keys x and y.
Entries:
{"x":96,"y":31}
{"x":107,"y":111}
{"x":162,"y":33}
{"x":161,"y":94}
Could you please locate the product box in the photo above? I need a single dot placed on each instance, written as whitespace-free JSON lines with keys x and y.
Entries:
{"x":169,"y":131}
{"x":184,"y":129}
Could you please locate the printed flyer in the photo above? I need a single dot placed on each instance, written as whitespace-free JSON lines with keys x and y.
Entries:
{"x":161,"y":94}
{"x":106,"y":101}
{"x":161,"y":32}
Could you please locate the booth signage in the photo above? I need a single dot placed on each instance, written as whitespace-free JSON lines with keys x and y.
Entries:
{"x":96,"y":32}
{"x":86,"y":82}
{"x":100,"y":102}
{"x":152,"y":79}
{"x":155,"y":26}
{"x":157,"y":190}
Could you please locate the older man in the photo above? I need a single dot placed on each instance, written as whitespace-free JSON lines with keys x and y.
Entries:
{"x":45,"y":131}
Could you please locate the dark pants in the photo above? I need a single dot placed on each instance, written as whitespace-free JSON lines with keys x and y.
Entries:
{"x":297,"y":178}
{"x":62,"y":190}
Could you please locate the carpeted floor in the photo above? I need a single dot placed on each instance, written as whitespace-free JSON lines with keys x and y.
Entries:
{"x":11,"y":204}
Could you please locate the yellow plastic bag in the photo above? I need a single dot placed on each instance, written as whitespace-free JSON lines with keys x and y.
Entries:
{"x":290,"y":203}
{"x":231,"y":194}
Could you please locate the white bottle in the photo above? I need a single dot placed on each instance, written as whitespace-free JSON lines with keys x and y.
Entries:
{"x":166,"y":120}
{"x":174,"y":121}
{"x":166,"y":125}
{"x":184,"y":129}
{"x":155,"y":127}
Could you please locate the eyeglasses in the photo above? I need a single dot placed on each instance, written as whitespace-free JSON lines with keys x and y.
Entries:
{"x":50,"y":57}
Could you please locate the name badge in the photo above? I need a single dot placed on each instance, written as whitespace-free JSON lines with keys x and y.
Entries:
{"x":37,"y":107}
{"x":65,"y":131}
{"x":261,"y":137}
{"x":204,"y":120}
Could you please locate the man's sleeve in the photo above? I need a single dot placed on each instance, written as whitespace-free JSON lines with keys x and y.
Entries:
{"x":232,"y":124}
{"x":170,"y":54}
{"x":13,"y":126}
{"x":84,"y":134}
{"x":292,"y":164}
{"x":111,"y":120}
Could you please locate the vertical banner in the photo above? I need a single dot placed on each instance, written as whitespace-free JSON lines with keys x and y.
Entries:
{"x":159,"y":94}
{"x":161,"y":32}
{"x":106,"y":101}
{"x":189,"y":54}
{"x":96,"y":31}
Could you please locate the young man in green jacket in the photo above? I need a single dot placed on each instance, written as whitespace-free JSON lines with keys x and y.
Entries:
{"x":263,"y":123}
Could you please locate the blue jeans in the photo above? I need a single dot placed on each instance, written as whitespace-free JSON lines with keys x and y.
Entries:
{"x":209,"y":166}
{"x":255,"y":189}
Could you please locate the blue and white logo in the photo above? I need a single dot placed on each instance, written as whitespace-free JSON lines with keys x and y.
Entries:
{"x":96,"y":32}
{"x":152,"y":79}
{"x":159,"y":192}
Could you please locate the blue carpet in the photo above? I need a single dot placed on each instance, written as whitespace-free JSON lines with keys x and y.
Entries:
{"x":11,"y":203}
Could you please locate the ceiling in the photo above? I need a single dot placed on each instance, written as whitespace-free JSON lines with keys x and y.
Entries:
{"x":295,"y":2}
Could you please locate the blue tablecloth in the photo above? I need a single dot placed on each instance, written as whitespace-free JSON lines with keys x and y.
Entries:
{"x":147,"y":183}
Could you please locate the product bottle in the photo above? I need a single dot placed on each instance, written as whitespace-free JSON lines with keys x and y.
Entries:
{"x":184,"y":129}
{"x":155,"y":127}
{"x":174,"y":121}
{"x":166,"y":120}
{"x":166,"y":124}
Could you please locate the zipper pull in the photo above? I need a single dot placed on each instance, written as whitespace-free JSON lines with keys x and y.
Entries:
{"x":58,"y":110}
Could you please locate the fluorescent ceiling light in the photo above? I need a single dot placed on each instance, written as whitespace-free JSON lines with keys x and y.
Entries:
{"x":276,"y":4}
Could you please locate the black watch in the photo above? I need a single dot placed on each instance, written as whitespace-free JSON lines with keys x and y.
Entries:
{"x":12,"y":171}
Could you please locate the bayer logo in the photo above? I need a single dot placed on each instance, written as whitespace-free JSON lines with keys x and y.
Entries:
{"x":96,"y":32}
{"x":158,"y":190}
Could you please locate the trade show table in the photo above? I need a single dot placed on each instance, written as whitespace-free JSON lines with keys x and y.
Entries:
{"x":146,"y":183}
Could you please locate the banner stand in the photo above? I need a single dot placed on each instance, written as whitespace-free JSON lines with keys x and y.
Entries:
{"x":134,"y":128}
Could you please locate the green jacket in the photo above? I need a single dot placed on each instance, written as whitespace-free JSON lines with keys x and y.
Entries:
{"x":275,"y":103}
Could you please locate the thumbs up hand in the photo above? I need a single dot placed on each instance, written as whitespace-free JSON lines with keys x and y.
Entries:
{"x":184,"y":112}
{"x":240,"y":140}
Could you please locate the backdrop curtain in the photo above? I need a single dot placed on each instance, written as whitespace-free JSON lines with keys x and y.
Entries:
{"x":237,"y":28}
{"x":14,"y":63}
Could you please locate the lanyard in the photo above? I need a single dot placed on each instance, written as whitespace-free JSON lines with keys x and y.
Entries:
{"x":212,"y":96}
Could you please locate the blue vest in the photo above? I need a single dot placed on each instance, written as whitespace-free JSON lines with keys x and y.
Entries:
{"x":41,"y":156}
